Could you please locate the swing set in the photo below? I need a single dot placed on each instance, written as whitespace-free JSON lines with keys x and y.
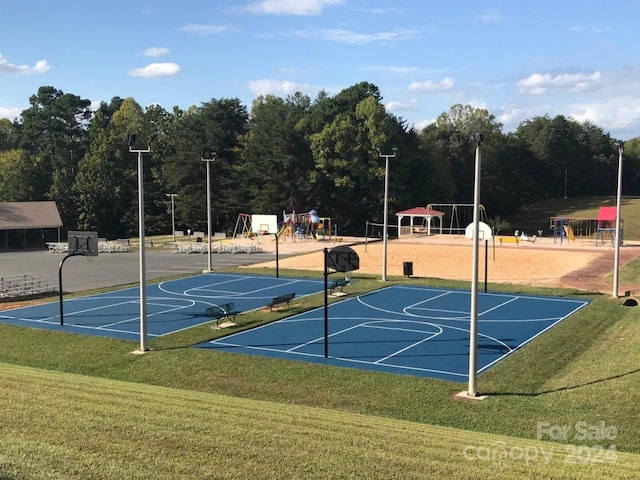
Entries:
{"x":459,"y":215}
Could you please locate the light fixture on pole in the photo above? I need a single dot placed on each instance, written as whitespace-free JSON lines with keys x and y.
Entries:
{"x":473,"y":324}
{"x":173,"y":216}
{"x":208,"y":157}
{"x":131,"y":140}
{"x":618,"y":238}
{"x":385,"y":233}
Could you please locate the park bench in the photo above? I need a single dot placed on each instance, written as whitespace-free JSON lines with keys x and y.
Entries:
{"x":338,"y":285}
{"x":504,"y":240}
{"x":220,"y":312}
{"x":281,"y":299}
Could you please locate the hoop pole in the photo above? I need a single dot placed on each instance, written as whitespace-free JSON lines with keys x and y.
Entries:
{"x":616,"y":262}
{"x":473,"y":329}
{"x":325,"y":252}
{"x":74,"y":254}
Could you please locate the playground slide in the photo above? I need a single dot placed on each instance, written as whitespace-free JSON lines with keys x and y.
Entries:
{"x":568,"y":231}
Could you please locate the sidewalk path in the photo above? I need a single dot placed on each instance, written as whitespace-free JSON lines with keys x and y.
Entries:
{"x":592,"y":277}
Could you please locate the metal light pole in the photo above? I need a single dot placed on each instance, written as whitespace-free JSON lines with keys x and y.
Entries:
{"x":143,"y":281}
{"x":173,"y":217}
{"x":473,"y":327}
{"x":616,"y":261}
{"x":565,"y":180}
{"x":385,"y":229}
{"x":208,"y":160}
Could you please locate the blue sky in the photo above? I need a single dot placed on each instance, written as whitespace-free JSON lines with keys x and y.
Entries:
{"x":517,"y":59}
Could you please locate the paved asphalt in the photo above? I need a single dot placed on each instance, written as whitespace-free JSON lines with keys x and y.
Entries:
{"x":112,"y":269}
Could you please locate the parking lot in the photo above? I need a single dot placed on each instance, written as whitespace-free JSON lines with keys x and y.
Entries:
{"x":106,"y":270}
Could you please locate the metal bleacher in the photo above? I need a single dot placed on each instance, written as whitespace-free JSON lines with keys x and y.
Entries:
{"x":25,"y":285}
{"x":215,"y":248}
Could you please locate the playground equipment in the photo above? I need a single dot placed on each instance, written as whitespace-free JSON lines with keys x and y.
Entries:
{"x":601,"y":228}
{"x":250,"y":225}
{"x":459,"y":215}
{"x":243,"y":223}
{"x":299,"y":226}
{"x":562,"y":229}
{"x":607,"y":225}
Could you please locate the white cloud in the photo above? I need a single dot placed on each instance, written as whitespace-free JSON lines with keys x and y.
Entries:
{"x":381,"y":11}
{"x":291,"y":7}
{"x":10,"y":112}
{"x":421,"y":124}
{"x":511,"y":116}
{"x":278,"y":87}
{"x":41,"y":66}
{"x":155,"y":51}
{"x":156,"y":70}
{"x":410,"y":106}
{"x":541,"y":83}
{"x":356,"y":38}
{"x":429,"y":85}
{"x":492,"y":16}
{"x":590,"y":29}
{"x":205,"y":30}
{"x":616,"y":113}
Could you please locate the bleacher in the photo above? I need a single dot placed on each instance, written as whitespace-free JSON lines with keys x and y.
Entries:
{"x":104,"y":246}
{"x":217,"y":247}
{"x":26,"y":285}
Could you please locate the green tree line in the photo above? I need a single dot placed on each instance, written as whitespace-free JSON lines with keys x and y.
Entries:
{"x":289,"y":154}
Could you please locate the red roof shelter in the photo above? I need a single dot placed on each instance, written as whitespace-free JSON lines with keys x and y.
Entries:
{"x":419,"y":212}
{"x":607,"y":224}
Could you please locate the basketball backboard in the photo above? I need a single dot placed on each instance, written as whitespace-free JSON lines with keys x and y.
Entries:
{"x":484,"y":231}
{"x":343,"y":259}
{"x":83,"y":243}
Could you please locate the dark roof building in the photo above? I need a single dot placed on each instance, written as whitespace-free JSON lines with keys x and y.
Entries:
{"x":29,"y":215}
{"x":25,"y":224}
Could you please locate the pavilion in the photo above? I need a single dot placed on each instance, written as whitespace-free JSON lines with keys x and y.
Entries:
{"x":425,"y":227}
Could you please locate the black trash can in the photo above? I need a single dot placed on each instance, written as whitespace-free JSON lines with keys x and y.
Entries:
{"x":407,"y":268}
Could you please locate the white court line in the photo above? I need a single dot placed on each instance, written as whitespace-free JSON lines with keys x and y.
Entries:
{"x":396,"y":329}
{"x":162,"y":288}
{"x":415,"y":344}
{"x":499,"y":305}
{"x":162,"y":312}
{"x":342,"y":359}
{"x":270,"y":287}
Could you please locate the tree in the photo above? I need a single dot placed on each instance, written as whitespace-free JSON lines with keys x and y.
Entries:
{"x":14,"y":175}
{"x":53,"y":133}
{"x":107,"y":180}
{"x":348,"y":168}
{"x":276,"y":157}
{"x":8,"y":134}
{"x":215,"y":126}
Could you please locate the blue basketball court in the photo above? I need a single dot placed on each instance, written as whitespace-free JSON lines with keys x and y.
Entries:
{"x":407,"y":330}
{"x":172,"y":306}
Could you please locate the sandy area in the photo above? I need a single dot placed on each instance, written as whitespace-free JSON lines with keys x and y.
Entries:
{"x":543,"y":263}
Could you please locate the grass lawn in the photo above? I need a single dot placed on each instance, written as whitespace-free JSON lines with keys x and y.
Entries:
{"x":85,"y":407}
{"x":59,"y":425}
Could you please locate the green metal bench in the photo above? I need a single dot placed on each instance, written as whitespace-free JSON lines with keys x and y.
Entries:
{"x":220,"y":312}
{"x":281,"y":299}
{"x":338,"y":285}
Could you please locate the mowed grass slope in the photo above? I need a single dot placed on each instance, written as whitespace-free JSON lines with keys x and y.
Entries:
{"x":69,"y":426}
